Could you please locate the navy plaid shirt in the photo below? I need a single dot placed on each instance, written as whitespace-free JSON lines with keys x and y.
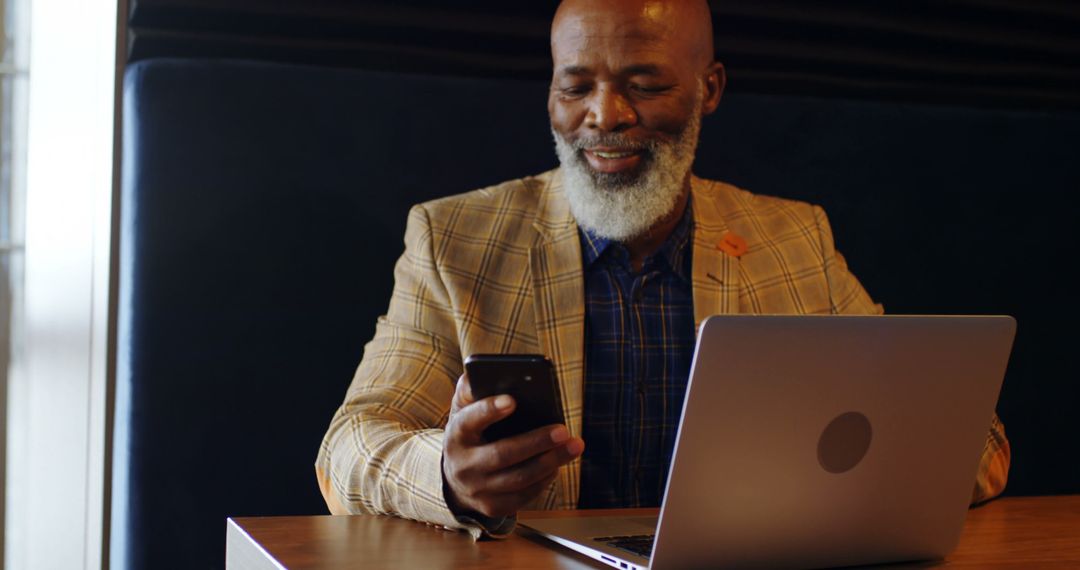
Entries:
{"x":639,"y":342}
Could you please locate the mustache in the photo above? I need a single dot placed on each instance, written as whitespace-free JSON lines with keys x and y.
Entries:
{"x":616,"y":140}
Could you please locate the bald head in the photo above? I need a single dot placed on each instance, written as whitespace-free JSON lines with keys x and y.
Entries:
{"x":640,"y":65}
{"x":684,"y":26}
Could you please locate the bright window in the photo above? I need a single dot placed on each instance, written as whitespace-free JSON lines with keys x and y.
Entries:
{"x":57,"y":127}
{"x":14,"y":41}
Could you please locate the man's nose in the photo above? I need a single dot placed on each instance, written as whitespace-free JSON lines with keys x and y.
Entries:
{"x":609,"y":110}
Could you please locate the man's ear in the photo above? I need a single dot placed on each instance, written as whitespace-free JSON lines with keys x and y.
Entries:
{"x":715,"y":81}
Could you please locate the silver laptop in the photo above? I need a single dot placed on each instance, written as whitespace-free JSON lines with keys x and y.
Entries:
{"x":812,"y":441}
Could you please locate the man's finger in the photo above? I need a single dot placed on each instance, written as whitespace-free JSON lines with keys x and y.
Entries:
{"x":518,"y":478}
{"x":463,"y":395}
{"x":469,"y":423}
{"x":499,"y":455}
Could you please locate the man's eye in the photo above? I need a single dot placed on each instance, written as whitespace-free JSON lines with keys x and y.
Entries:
{"x":651,"y":89}
{"x":574,"y":90}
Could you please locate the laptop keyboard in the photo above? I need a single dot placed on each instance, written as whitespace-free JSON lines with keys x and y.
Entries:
{"x":640,"y":544}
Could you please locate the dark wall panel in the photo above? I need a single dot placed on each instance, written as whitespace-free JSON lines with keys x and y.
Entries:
{"x":984,"y":53}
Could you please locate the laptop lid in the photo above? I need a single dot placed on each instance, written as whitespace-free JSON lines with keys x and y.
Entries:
{"x":810,"y":441}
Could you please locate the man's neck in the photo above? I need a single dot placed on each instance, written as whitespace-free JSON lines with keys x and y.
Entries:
{"x":641,"y":247}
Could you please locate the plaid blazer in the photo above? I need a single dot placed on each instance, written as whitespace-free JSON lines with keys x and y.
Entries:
{"x":499,"y":270}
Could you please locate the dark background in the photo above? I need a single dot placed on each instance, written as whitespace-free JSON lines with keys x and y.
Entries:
{"x":1003,"y":53}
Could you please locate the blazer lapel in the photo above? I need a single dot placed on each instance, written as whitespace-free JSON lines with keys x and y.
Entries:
{"x":559,"y":305}
{"x":715,"y":272}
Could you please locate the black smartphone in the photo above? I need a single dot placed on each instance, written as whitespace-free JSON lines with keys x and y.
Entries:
{"x":529,"y":378}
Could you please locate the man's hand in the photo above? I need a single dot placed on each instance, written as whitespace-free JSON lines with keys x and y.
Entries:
{"x":496,"y":479}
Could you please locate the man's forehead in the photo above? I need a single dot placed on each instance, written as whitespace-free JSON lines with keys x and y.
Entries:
{"x":638,"y":55}
{"x":647,"y":33}
{"x":593,"y":27}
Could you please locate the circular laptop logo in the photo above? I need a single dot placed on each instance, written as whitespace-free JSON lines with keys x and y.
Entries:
{"x":844,"y":442}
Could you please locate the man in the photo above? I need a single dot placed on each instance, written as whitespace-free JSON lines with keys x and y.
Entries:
{"x":606,"y":266}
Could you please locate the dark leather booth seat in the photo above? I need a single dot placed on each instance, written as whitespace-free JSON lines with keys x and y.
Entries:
{"x":263,"y":207}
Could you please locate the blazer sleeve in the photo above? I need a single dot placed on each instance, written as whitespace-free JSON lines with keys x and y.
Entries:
{"x":382,"y":453}
{"x":849,"y":297}
{"x":993,"y":470}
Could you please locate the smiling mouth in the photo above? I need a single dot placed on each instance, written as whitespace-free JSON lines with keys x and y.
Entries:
{"x":613,"y":160}
{"x":611,"y":155}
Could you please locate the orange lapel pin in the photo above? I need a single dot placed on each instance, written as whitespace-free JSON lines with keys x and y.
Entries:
{"x":732,"y":244}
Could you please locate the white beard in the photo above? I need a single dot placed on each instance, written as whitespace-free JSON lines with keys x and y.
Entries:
{"x":623,"y":206}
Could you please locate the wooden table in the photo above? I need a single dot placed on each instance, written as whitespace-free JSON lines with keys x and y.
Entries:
{"x":1016,"y":532}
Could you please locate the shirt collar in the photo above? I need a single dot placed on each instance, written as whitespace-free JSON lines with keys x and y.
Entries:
{"x":675,"y":249}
